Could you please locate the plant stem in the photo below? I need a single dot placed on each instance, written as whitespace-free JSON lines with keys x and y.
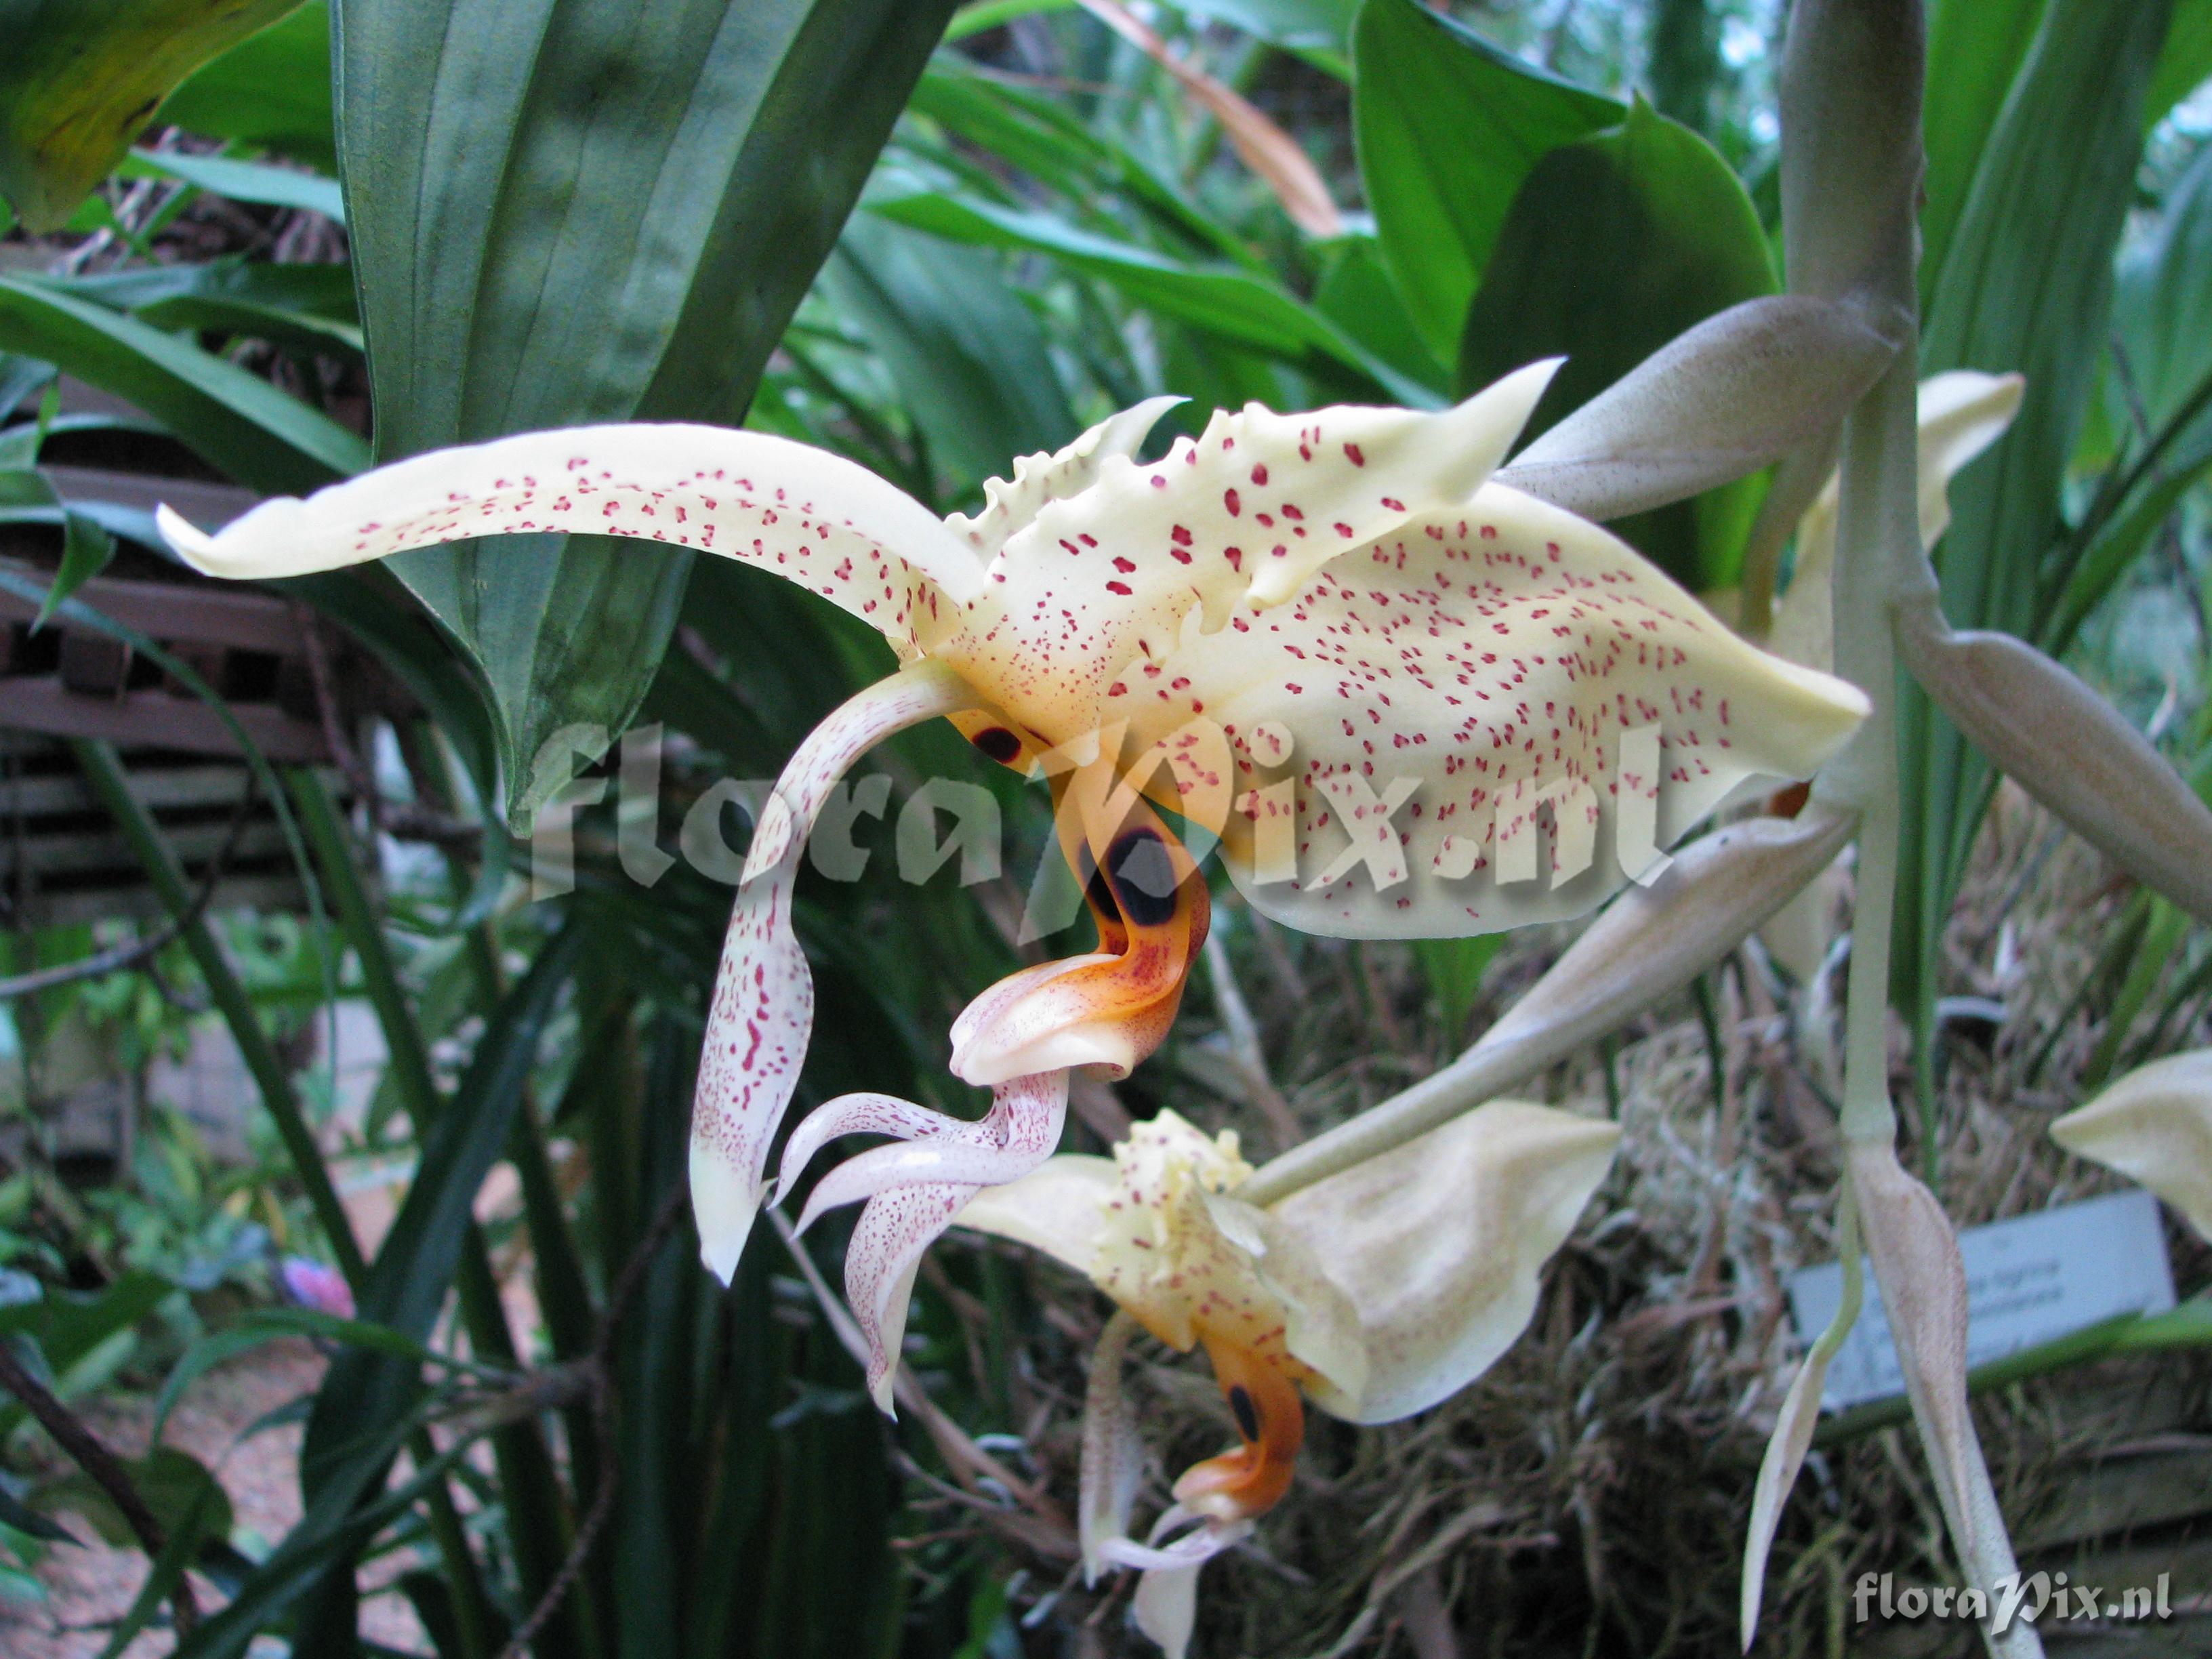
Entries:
{"x":1878,"y":560}
{"x":91,"y":1455}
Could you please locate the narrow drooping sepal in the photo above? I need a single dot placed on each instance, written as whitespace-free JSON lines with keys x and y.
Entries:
{"x":762,"y":1009}
{"x":810,"y":516}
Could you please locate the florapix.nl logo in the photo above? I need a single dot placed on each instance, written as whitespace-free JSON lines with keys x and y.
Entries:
{"x":1326,"y":827}
{"x":2033,"y":1599}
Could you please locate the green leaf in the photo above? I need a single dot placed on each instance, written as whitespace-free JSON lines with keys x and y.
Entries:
{"x":1454,"y":968}
{"x":1356,"y":294}
{"x":20,"y":378}
{"x":206,"y":1517}
{"x":21,"y":1517}
{"x":1615,"y":244}
{"x":1974,"y":51}
{"x":1052,"y":143}
{"x":2163,"y":305}
{"x":305,"y":307}
{"x":2183,"y":66}
{"x":86,"y":550}
{"x":995,"y":13}
{"x":2028,"y":286}
{"x":965,"y":353}
{"x":272,"y":90}
{"x":69,"y":1324}
{"x":369,"y":1399}
{"x":260,"y":436}
{"x":592,"y":211}
{"x":171,"y":1482}
{"x":242,"y":181}
{"x":1446,"y":127}
{"x":265,"y":1325}
{"x":1294,"y":25}
{"x":1243,"y":309}
{"x":80,"y":78}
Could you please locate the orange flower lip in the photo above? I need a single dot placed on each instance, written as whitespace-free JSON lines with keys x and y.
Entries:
{"x":1272,"y":1424}
{"x":1148,"y":901}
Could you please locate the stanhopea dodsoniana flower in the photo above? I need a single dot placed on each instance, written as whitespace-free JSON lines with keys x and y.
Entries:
{"x":1323,"y":638}
{"x":1376,"y":1292}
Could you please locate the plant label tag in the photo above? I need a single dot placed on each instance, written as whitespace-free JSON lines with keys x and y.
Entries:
{"x":2028,"y":1280}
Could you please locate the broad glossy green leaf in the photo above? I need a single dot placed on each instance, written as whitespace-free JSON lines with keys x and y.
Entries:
{"x":589,"y":211}
{"x":1615,"y":244}
{"x":261,"y":436}
{"x":271,"y":90}
{"x":2028,"y":286}
{"x":1446,"y":127}
{"x":80,"y":78}
{"x":1356,"y":294}
{"x":965,"y":352}
{"x":1974,"y":51}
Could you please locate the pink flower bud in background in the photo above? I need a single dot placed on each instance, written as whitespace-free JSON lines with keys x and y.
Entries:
{"x":317,"y":1285}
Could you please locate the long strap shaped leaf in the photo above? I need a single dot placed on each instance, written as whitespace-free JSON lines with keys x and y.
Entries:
{"x":592,"y":210}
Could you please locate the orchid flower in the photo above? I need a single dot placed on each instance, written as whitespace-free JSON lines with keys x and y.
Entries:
{"x":2155,"y":1127}
{"x":1377,"y":1293}
{"x":1326,"y":638}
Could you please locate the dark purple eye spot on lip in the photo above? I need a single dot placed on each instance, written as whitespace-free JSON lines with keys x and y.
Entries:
{"x":1144,"y":877}
{"x":1246,"y":1413}
{"x":998,"y":743}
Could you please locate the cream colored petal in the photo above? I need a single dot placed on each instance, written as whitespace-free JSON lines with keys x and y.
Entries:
{"x":1962,"y":413}
{"x":1156,"y":1229}
{"x":1011,"y":506}
{"x":812,"y":518}
{"x":1804,"y":628}
{"x":1059,"y":1208}
{"x":1321,"y":1328}
{"x":2153,"y":1126}
{"x":1241,"y":515}
{"x":1474,"y":668}
{"x":1439,"y":1244}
